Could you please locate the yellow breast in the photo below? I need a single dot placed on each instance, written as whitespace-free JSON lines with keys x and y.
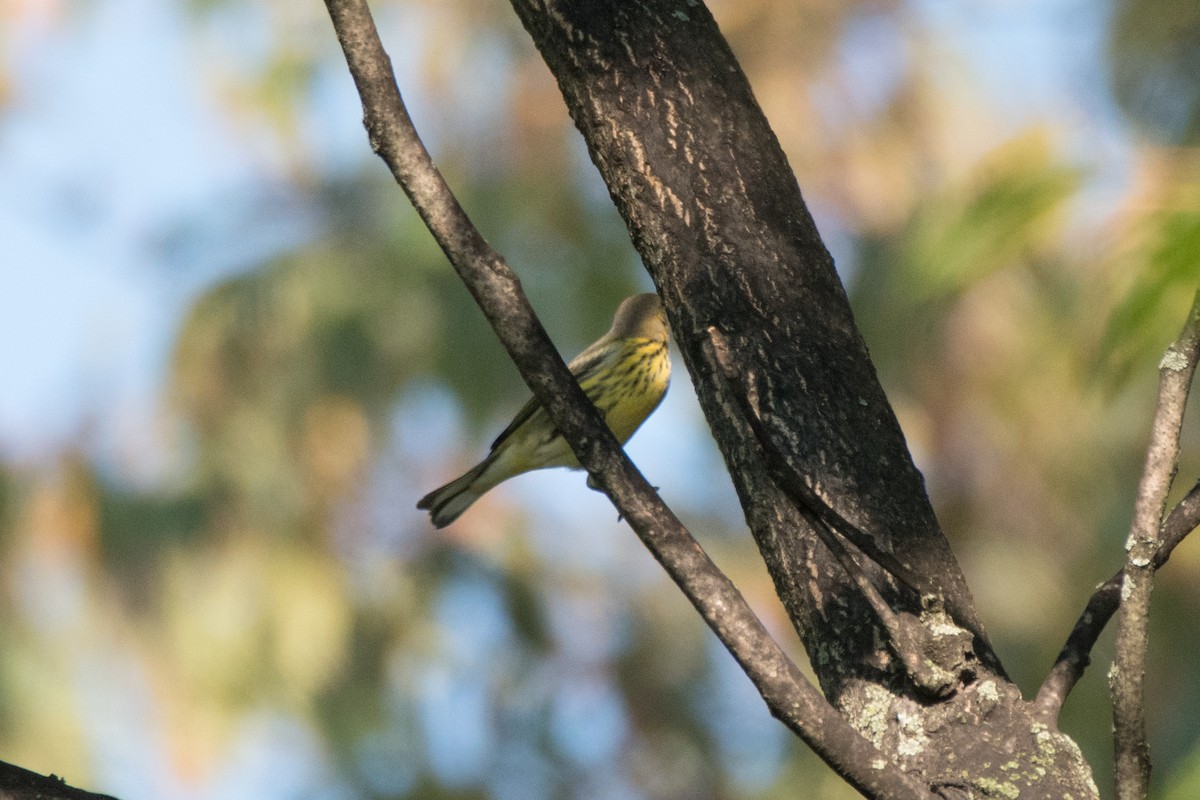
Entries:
{"x":628,"y":393}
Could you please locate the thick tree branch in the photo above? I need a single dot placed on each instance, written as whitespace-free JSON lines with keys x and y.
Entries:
{"x":717,"y":215}
{"x":497,"y":291}
{"x":1075,"y":655}
{"x":1162,"y":458}
{"x":816,"y":454}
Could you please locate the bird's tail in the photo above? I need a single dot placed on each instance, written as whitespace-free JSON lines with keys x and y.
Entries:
{"x":446,"y":503}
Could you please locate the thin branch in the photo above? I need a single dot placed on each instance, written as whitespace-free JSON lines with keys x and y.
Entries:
{"x":17,"y":783}
{"x":1129,"y":669}
{"x":789,"y":695}
{"x":1075,"y":656}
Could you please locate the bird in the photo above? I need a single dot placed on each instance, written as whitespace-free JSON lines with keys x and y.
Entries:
{"x":625,"y":373}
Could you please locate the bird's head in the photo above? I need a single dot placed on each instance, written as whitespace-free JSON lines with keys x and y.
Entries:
{"x":641,"y":316}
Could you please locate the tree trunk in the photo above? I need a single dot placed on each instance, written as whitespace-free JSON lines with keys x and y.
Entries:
{"x":830,"y":492}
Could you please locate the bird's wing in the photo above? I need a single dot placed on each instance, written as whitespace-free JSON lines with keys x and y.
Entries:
{"x":527,"y":411}
{"x":583,"y":366}
{"x":588,"y":364}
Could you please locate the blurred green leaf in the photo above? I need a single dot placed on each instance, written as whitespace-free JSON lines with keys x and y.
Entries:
{"x":279,"y":571}
{"x":1013,"y":205}
{"x":137,"y":528}
{"x":1184,"y":783}
{"x":1167,"y":267}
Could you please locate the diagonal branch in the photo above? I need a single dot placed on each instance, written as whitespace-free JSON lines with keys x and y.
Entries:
{"x":788,"y":694}
{"x":1162,"y":457}
{"x":17,"y":783}
{"x":1075,"y":655}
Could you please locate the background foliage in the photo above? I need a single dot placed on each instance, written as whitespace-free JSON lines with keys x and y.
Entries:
{"x":233,"y":360}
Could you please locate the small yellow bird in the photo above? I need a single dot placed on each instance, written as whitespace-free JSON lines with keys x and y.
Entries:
{"x":625,"y":373}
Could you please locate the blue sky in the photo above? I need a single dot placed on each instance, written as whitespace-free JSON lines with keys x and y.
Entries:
{"x":110,"y":140}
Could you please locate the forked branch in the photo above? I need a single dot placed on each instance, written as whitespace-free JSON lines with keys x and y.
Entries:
{"x":1075,"y":655}
{"x":1150,"y":543}
{"x":1162,"y":458}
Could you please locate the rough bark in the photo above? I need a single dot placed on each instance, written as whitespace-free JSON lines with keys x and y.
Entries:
{"x":786,"y":383}
{"x":785,"y":689}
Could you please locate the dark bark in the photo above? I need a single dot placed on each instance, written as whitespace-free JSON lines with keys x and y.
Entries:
{"x":717,"y":215}
{"x":783,"y":375}
{"x":788,"y":694}
{"x":21,"y":784}
{"x":832,"y":497}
